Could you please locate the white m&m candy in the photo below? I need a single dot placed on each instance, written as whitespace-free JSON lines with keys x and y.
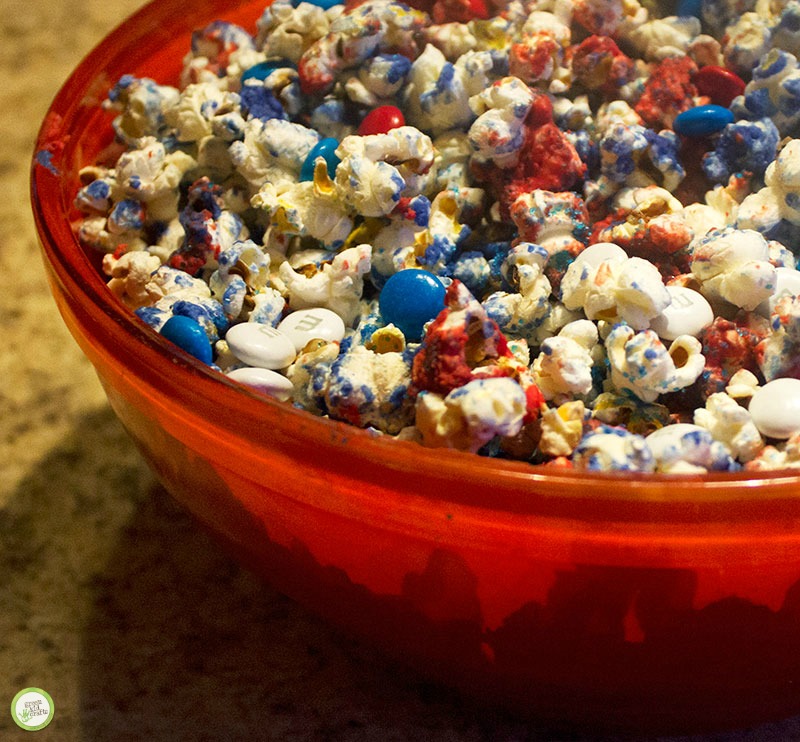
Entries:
{"x":260,"y":345}
{"x":775,"y":408}
{"x":264,"y":380}
{"x":312,"y":324}
{"x":688,"y":313}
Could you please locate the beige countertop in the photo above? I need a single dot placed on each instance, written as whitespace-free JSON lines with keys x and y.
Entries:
{"x":111,"y":598}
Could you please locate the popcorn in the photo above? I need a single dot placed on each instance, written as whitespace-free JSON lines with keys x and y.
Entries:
{"x":539,"y":55}
{"x":778,"y":354}
{"x":272,"y":151}
{"x":733,"y":265}
{"x":377,"y":170}
{"x":355,"y":37}
{"x":641,"y":364}
{"x":629,"y":290}
{"x":538,"y":181}
{"x":142,"y":105}
{"x":286,"y":32}
{"x":742,"y":146}
{"x":152,"y":176}
{"x":497,"y":134}
{"x":471,"y":415}
{"x":438,"y":92}
{"x":131,"y":276}
{"x":730,"y":424}
{"x":336,"y":286}
{"x":243,"y":270}
{"x":380,"y":78}
{"x":772,"y":92}
{"x":613,"y":449}
{"x":309,"y":208}
{"x":518,"y":313}
{"x":662,"y":38}
{"x":688,"y":449}
{"x":746,"y":42}
{"x":367,"y":389}
{"x":562,"y":428}
{"x":564,"y":366}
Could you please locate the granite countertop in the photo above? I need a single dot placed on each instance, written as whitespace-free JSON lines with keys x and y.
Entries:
{"x":111,"y":598}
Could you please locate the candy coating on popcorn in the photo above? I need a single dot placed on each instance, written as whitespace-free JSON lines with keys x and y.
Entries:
{"x":530,"y":166}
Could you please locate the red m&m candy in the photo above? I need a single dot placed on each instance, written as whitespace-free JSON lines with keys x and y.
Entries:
{"x":380,"y":120}
{"x":719,"y":84}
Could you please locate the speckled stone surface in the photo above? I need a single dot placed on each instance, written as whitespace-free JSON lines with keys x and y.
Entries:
{"x":111,"y":598}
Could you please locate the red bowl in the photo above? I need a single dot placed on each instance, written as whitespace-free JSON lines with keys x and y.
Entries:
{"x":645,"y":603}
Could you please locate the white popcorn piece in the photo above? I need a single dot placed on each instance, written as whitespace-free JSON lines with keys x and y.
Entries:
{"x":609,"y":17}
{"x":285,"y":31}
{"x":562,"y":428}
{"x":243,"y":270}
{"x":742,"y":385}
{"x":746,"y":42}
{"x":733,"y":265}
{"x":660,"y":38}
{"x":132,"y":278}
{"x":352,"y":41}
{"x":471,"y":415}
{"x":197,"y":106}
{"x":272,"y":151}
{"x":642,"y":365}
{"x":368,"y":389}
{"x":613,"y":449}
{"x":142,"y":105}
{"x":149,"y":174}
{"x":377,"y":170}
{"x":336,"y":286}
{"x":520,"y":312}
{"x":308,"y":208}
{"x":731,"y":424}
{"x":564,"y":365}
{"x":497,"y":134}
{"x":438,"y":92}
{"x":683,"y":448}
{"x":630,"y":290}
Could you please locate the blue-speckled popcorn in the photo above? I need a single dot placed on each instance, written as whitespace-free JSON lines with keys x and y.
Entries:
{"x":566,"y":221}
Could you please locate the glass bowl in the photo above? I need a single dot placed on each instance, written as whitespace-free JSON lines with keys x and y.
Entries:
{"x":643,"y":603}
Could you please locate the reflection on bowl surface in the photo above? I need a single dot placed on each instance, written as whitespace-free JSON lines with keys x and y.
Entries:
{"x":645,"y":603}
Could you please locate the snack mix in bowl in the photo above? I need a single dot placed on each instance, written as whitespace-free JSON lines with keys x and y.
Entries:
{"x":558,"y":238}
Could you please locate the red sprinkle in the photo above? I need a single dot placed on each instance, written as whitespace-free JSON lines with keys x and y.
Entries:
{"x":719,"y":84}
{"x":380,"y":120}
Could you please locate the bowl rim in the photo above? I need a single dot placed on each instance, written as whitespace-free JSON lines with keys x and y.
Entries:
{"x":59,"y":138}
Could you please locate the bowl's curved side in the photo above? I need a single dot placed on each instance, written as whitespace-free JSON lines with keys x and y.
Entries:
{"x":607,"y":600}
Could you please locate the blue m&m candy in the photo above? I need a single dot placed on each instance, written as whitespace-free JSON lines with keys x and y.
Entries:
{"x":701,"y":121}
{"x":324,"y":4}
{"x":325,"y":148}
{"x":262,"y":70}
{"x":189,"y":335}
{"x":409,"y":299}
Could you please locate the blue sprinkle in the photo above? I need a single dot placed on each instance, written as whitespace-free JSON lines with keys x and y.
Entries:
{"x":128,"y":214}
{"x":409,"y":299}
{"x":325,"y":148}
{"x":701,"y":121}
{"x":188,"y":335}
{"x":260,"y":103}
